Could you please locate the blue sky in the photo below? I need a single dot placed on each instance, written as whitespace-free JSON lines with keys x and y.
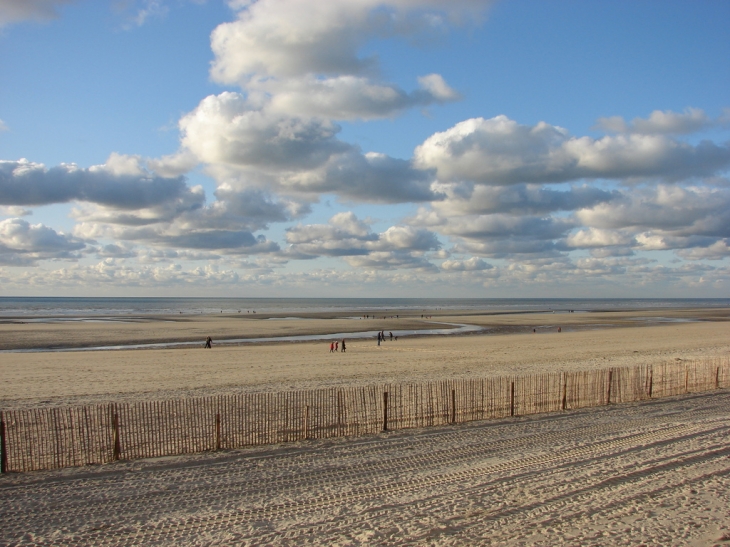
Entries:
{"x":364,"y":148}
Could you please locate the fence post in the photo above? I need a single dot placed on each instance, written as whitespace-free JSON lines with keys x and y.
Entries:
{"x":608,"y":394}
{"x":717,"y":378}
{"x":3,"y":446}
{"x":686,"y":378}
{"x":218,"y":431}
{"x":306,"y":422}
{"x":651,"y":381}
{"x":117,"y":443}
{"x":565,"y":391}
{"x":385,"y":411}
{"x":512,"y":399}
{"x":453,"y":406}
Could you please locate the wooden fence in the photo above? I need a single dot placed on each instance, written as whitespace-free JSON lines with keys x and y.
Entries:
{"x":48,"y":438}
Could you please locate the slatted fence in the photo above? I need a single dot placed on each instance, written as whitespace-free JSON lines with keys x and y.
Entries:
{"x":48,"y":437}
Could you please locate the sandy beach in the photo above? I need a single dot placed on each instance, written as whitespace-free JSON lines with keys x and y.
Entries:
{"x":655,"y":473}
{"x":506,"y":346}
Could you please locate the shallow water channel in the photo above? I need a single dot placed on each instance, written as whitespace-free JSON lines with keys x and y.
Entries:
{"x":455,"y":328}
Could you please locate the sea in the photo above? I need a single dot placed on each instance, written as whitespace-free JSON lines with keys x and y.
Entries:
{"x":77,"y":308}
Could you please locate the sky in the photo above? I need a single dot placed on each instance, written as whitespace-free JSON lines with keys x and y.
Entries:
{"x":365,"y":148}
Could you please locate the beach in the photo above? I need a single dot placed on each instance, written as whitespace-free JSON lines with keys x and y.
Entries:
{"x":507,"y":345}
{"x":651,"y":473}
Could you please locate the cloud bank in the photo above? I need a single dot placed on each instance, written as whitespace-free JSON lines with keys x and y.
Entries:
{"x":488,"y":202}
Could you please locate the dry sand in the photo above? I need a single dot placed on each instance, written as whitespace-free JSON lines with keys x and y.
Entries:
{"x":654,"y":473}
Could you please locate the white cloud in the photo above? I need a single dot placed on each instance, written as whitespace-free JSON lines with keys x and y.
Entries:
{"x":470,"y":199}
{"x":225,"y":129}
{"x":15,"y":11}
{"x":596,"y":237}
{"x":173,"y":165}
{"x":3,"y":127}
{"x":137,"y":13}
{"x":22,"y":243}
{"x":659,"y":123}
{"x":499,"y":151}
{"x":113,"y":273}
{"x":349,"y":97}
{"x":717,"y":251}
{"x":373,"y":178}
{"x":672,"y":209}
{"x":120,"y":183}
{"x":295,"y":155}
{"x":473,"y":264}
{"x":14,"y":211}
{"x":501,"y":225}
{"x":347,"y":236}
{"x":290,"y":38}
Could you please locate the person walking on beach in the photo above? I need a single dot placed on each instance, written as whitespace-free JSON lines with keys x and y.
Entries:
{"x":343,"y":346}
{"x":337,"y":346}
{"x":378,"y":337}
{"x":332,"y":347}
{"x":208,"y":342}
{"x":391,"y":336}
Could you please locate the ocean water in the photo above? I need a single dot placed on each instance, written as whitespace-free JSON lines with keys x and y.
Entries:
{"x":90,"y":308}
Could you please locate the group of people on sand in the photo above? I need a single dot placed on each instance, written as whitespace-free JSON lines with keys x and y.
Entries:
{"x":381,"y":336}
{"x":335,"y":346}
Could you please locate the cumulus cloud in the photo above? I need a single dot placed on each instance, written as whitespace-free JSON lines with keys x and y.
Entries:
{"x":224,"y":129}
{"x":22,"y":243}
{"x":473,"y":264}
{"x":14,"y":211}
{"x":114,"y":273}
{"x":177,"y":236}
{"x":501,"y":225}
{"x":15,"y":11}
{"x":351,"y":97}
{"x":227,"y":226}
{"x":347,"y":236}
{"x":121,"y":183}
{"x":716,"y":251}
{"x":499,"y":151}
{"x":672,"y":209}
{"x":173,"y":165}
{"x":391,"y":260}
{"x":371,"y":177}
{"x":659,"y":123}
{"x":288,"y":38}
{"x":302,"y":58}
{"x":3,"y":126}
{"x":596,"y":237}
{"x":470,"y":199}
{"x":300,"y":155}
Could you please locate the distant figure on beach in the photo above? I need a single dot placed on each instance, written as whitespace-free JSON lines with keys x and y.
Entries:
{"x":343,"y":346}
{"x":378,"y":337}
{"x":332,"y":347}
{"x":391,"y":336}
{"x":533,"y":330}
{"x":337,"y":346}
{"x":560,"y":329}
{"x":208,"y":342}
